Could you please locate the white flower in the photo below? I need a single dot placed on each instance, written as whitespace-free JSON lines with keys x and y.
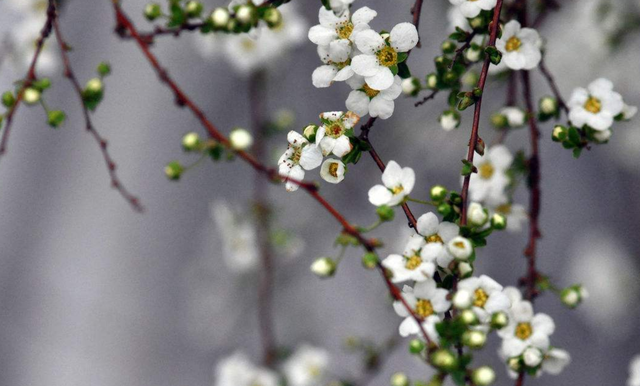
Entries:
{"x":239,"y":240}
{"x":520,"y":47}
{"x":332,"y":171}
{"x":334,"y":28}
{"x":596,"y":106}
{"x":515,"y":214}
{"x":463,"y":299}
{"x":457,"y":19}
{"x":339,"y":6}
{"x":410,"y":265}
{"x":555,"y":360}
{"x":432,"y":239}
{"x":337,"y":64}
{"x":525,"y":329}
{"x":237,"y":370}
{"x":487,"y":296}
{"x":472,"y":8}
{"x":477,"y":215}
{"x":515,"y":116}
{"x":532,"y":357}
{"x":634,"y":371}
{"x":300,"y":156}
{"x":323,"y":267}
{"x":449,"y":120}
{"x":428,"y":302}
{"x":378,"y":54}
{"x":398,"y":183}
{"x":240,"y":139}
{"x":489,"y":183}
{"x":460,"y":248}
{"x":307,"y":366}
{"x":365,"y":100}
{"x":410,"y":86}
{"x":331,"y":137}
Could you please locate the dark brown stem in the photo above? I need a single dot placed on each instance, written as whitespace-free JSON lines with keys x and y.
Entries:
{"x":52,"y":14}
{"x":554,"y":87}
{"x":476,"y":113}
{"x":257,"y":91}
{"x":426,"y":98}
{"x":102,"y":143}
{"x":416,"y":11}
{"x":461,"y":49}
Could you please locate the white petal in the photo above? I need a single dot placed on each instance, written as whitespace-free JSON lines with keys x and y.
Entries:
{"x":392,"y":175}
{"x":365,"y":65}
{"x":297,"y":173}
{"x":380,"y":107}
{"x":394,"y":91}
{"x":323,"y":76}
{"x":381,"y":80}
{"x":369,"y":42}
{"x":310,"y":157}
{"x":428,"y":224}
{"x":342,"y":146}
{"x":329,"y":19}
{"x":296,"y":139}
{"x":344,"y":74}
{"x":403,"y":37}
{"x":409,"y":326}
{"x":358,"y":102}
{"x":447,"y":231}
{"x":321,"y":35}
{"x":363,"y":15}
{"x":379,"y":195}
{"x":339,"y":50}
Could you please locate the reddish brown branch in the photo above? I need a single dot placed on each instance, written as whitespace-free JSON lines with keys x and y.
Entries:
{"x":476,"y":113}
{"x":416,"y":11}
{"x":426,"y":98}
{"x":461,"y":49}
{"x":31,"y":73}
{"x":554,"y":87}
{"x":102,"y":143}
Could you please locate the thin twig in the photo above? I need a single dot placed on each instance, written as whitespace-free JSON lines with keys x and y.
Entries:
{"x":416,"y":11}
{"x":554,"y":87}
{"x":461,"y":49}
{"x":102,"y":143}
{"x":31,"y":73}
{"x":426,"y":98}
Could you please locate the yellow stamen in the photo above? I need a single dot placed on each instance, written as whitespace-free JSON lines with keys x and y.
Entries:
{"x":413,"y":262}
{"x":387,"y":56}
{"x":480,"y":297}
{"x":513,"y":44}
{"x":435,"y":239}
{"x":345,"y":30}
{"x":593,"y":105}
{"x":504,"y":209}
{"x":424,"y":308}
{"x":333,"y":170}
{"x":370,"y":91}
{"x":397,"y":189}
{"x":524,"y":330}
{"x":486,"y":170}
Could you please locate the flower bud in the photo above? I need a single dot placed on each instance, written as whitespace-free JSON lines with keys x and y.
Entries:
{"x":432,"y":81}
{"x":573,"y":296}
{"x":560,"y":133}
{"x":449,"y":120}
{"x":94,"y":86}
{"x":499,"y":121}
{"x":474,"y":339}
{"x":152,"y":11}
{"x":438,"y":192}
{"x":370,"y":260}
{"x":416,"y":346}
{"x":477,"y":215}
{"x":246,"y":14}
{"x":483,"y":376}
{"x":323,"y":267}
{"x":31,"y":96}
{"x":103,"y":69}
{"x":55,"y":118}
{"x":460,"y":248}
{"x":515,"y":116}
{"x":473,"y":53}
{"x":240,"y":139}
{"x":399,"y":379}
{"x":448,"y":47}
{"x":464,"y":269}
{"x":498,"y":221}
{"x":191,"y":141}
{"x":476,"y":22}
{"x":273,"y":17}
{"x":385,"y":213}
{"x":309,"y":132}
{"x":532,"y":357}
{"x":548,"y":105}
{"x":602,"y":136}
{"x":514,"y":364}
{"x":8,"y":99}
{"x":444,"y":209}
{"x":462,"y":299}
{"x":499,"y":320}
{"x":443,"y":359}
{"x":469,"y":317}
{"x":173,"y":170}
{"x":410,"y":86}
{"x":193,"y":8}
{"x":332,"y":171}
{"x":219,"y":18}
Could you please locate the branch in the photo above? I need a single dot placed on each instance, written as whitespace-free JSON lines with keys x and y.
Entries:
{"x":554,"y":87}
{"x":149,"y":37}
{"x":31,"y":73}
{"x":416,"y":11}
{"x":476,"y":114}
{"x":426,"y":98}
{"x":102,"y":143}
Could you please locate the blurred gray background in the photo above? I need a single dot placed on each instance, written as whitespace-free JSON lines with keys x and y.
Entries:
{"x":95,"y":294}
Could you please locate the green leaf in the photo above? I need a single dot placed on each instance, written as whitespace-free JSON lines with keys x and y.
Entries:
{"x":576,"y":152}
{"x":402,"y":56}
{"x":394,"y":69}
{"x":574,"y":136}
{"x":403,"y":70}
{"x":177,"y":16}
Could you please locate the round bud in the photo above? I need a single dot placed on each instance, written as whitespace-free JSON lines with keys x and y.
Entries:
{"x":498,"y":221}
{"x":476,"y":22}
{"x":469,"y":317}
{"x":240,"y":139}
{"x":483,"y":376}
{"x":246,"y":14}
{"x":219,"y":18}
{"x":432,"y":81}
{"x":399,"y":379}
{"x":602,"y":136}
{"x":460,"y":248}
{"x":273,"y":17}
{"x":474,"y":339}
{"x":438,"y":192}
{"x":443,"y":359}
{"x":31,"y":96}
{"x":193,"y":8}
{"x":309,"y":132}
{"x":514,"y":364}
{"x":473,"y":53}
{"x":444,"y":209}
{"x":499,"y":121}
{"x":470,"y":78}
{"x":94,"y":86}
{"x":103,"y":69}
{"x":477,"y":215}
{"x":173,"y":170}
{"x":55,"y":118}
{"x":532,"y":357}
{"x":191,"y":141}
{"x":152,"y":11}
{"x":416,"y":346}
{"x":410,"y":86}
{"x":499,"y":320}
{"x":323,"y":267}
{"x":41,"y":84}
{"x":462,"y":299}
{"x":572,"y":296}
{"x":385,"y":213}
{"x":370,"y":260}
{"x":465,"y":269}
{"x":448,"y":47}
{"x":450,"y":77}
{"x":548,"y":105}
{"x":449,"y":120}
{"x":8,"y":99}
{"x":560,"y":133}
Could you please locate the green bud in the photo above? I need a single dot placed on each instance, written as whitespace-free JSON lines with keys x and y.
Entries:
{"x":219,"y":18}
{"x":31,"y":96}
{"x":476,"y":22}
{"x":246,"y":15}
{"x":573,"y":296}
{"x":104,"y":69}
{"x":399,"y":379}
{"x":474,"y":339}
{"x":273,"y":17}
{"x":498,"y":221}
{"x":468,"y":317}
{"x":432,"y":81}
{"x":173,"y":170}
{"x":55,"y":118}
{"x":466,"y":101}
{"x":324,"y":267}
{"x":416,"y":346}
{"x":444,"y":360}
{"x":94,"y":86}
{"x":444,"y":209}
{"x":191,"y":141}
{"x":152,"y":11}
{"x":499,"y":121}
{"x":499,"y":320}
{"x":385,"y":213}
{"x":438,"y":192}
{"x":448,"y":47}
{"x":8,"y":99}
{"x":309,"y":132}
{"x":495,"y":56}
{"x":370,"y":260}
{"x":514,"y":364}
{"x":548,"y":105}
{"x":483,"y":376}
{"x":193,"y":8}
{"x":41,"y":84}
{"x":560,"y":133}
{"x":450,"y":77}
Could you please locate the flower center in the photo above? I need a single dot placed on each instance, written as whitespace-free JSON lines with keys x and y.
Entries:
{"x":413,"y":262}
{"x":524,"y":330}
{"x":248,"y":44}
{"x":333,"y":170}
{"x":371,"y":92}
{"x":397,"y":189}
{"x":480,"y":297}
{"x":486,"y":170}
{"x":314,"y":371}
{"x":593,"y":105}
{"x":345,"y":30}
{"x":341,"y":65}
{"x":335,"y":130}
{"x":297,"y":153}
{"x":435,"y":239}
{"x":424,"y":308}
{"x":387,"y":56}
{"x":513,"y":44}
{"x":504,"y":209}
